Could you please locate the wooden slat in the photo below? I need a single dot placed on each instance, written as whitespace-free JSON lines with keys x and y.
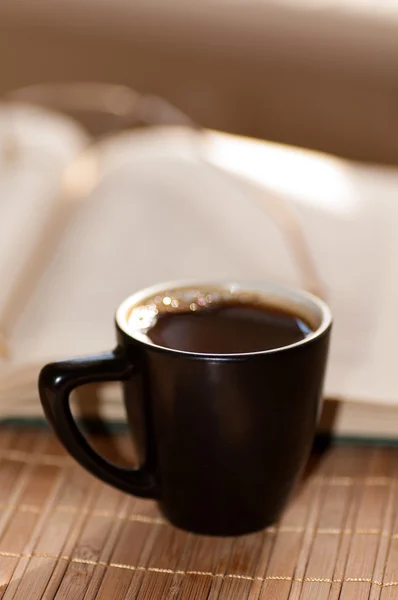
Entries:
{"x":65,"y":535}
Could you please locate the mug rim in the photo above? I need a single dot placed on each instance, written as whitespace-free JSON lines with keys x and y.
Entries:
{"x":263,"y":287}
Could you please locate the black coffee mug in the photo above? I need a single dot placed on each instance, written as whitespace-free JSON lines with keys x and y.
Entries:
{"x":225,"y":437}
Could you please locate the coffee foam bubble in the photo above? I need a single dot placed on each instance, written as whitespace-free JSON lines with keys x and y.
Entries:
{"x":143,"y":315}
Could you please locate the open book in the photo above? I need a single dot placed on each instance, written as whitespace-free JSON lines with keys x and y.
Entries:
{"x":170,"y":203}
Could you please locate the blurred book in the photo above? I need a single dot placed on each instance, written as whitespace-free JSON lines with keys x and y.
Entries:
{"x":35,"y":148}
{"x":174,"y":203}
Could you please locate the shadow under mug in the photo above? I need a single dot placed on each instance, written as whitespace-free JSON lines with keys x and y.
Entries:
{"x":225,"y":437}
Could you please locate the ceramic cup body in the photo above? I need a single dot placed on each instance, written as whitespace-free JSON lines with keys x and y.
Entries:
{"x":224,"y":438}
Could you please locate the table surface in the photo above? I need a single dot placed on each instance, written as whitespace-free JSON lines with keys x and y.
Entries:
{"x":63,"y":534}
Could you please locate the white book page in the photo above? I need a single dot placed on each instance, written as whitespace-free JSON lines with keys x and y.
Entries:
{"x":160,"y":214}
{"x":35,"y":147}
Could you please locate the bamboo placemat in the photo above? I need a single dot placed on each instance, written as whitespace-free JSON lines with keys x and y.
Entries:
{"x":65,"y":535}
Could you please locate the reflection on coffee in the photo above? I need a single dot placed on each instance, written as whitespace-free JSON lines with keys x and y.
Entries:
{"x":218,"y":323}
{"x":228,"y":329}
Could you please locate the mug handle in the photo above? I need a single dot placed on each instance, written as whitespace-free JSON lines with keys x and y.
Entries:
{"x":56,"y":382}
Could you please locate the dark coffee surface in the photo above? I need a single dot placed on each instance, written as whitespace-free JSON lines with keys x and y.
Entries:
{"x":228,"y":329}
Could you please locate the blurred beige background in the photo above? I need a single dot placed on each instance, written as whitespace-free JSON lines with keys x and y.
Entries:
{"x":320,"y":74}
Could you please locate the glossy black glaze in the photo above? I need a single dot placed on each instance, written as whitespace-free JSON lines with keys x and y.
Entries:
{"x":57,"y":381}
{"x":226,"y":438}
